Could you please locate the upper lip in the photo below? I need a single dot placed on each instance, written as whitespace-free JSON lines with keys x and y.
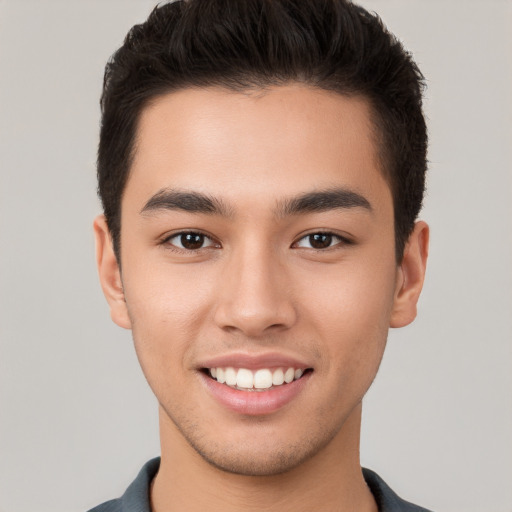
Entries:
{"x":254,"y":361}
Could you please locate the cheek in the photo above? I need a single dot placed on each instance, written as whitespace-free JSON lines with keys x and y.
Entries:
{"x":352,"y":310}
{"x":167,"y":308}
{"x":161,"y":294}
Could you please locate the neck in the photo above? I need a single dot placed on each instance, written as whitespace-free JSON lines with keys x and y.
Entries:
{"x":330,"y":480}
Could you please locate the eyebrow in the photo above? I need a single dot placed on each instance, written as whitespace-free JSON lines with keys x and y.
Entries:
{"x":196,"y":202}
{"x":310,"y":202}
{"x":323,"y":200}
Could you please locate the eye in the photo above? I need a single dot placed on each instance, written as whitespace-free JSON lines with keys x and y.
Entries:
{"x":190,"y":241}
{"x":320,"y":241}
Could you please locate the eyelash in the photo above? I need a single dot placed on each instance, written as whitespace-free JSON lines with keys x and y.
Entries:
{"x":340,"y":241}
{"x":167,"y":241}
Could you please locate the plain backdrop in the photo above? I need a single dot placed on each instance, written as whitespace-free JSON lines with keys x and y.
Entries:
{"x":77,"y":419}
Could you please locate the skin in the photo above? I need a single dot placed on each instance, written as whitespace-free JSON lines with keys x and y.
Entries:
{"x":258,"y":286}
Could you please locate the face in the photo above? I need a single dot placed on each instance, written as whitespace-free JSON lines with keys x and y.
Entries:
{"x":258,"y":270}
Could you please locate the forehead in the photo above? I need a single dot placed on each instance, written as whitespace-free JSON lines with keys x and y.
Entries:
{"x":279,"y":141}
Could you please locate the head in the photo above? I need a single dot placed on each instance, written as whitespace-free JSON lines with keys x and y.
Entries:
{"x":331,"y":45}
{"x":261,"y":166}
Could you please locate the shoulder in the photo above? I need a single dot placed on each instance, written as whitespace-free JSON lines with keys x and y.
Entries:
{"x":108,"y":506}
{"x":136,"y":497}
{"x":387,"y":500}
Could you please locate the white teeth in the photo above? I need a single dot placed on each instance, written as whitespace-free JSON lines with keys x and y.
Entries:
{"x":289,"y":375}
{"x":244,"y":378}
{"x":278,"y":377}
{"x":230,"y":376}
{"x":261,"y":379}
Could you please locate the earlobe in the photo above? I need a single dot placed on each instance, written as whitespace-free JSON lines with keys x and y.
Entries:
{"x":411,"y":275}
{"x":110,"y":274}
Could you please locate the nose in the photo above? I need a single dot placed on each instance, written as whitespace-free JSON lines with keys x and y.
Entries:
{"x":254,"y":296}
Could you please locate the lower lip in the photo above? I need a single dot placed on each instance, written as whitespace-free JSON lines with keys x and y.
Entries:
{"x":255,"y":402}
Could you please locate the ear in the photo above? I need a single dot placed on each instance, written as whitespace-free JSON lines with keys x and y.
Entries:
{"x":110,"y":274}
{"x":410,"y":276}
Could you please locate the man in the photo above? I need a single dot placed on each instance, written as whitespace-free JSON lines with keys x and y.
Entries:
{"x":261,"y":167}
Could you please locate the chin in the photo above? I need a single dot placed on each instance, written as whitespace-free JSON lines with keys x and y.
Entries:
{"x":263,"y":454}
{"x":257,"y":446}
{"x":257,"y":464}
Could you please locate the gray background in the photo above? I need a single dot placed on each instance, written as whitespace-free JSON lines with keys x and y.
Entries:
{"x":76,"y":416}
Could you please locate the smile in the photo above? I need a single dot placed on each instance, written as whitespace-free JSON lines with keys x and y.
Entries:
{"x":262,"y":379}
{"x":255,"y":384}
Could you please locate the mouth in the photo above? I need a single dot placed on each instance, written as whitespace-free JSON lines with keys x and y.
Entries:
{"x":257,"y":380}
{"x":255,"y":384}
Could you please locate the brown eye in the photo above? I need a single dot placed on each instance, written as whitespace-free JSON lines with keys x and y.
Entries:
{"x":190,"y":241}
{"x":320,"y":240}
